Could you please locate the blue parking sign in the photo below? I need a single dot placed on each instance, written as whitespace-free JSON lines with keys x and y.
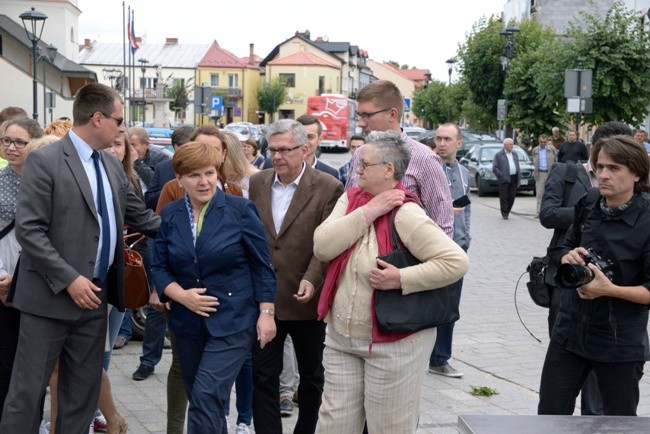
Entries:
{"x":217,"y":103}
{"x":407,"y":105}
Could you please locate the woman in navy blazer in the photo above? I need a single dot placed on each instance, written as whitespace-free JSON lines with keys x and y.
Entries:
{"x":212,"y":259}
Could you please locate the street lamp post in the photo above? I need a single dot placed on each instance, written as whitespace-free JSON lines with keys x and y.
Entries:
{"x":47,"y":57}
{"x":36,"y":22}
{"x":427,"y":81}
{"x":143,"y":67}
{"x":508,"y":33}
{"x":450,"y":63}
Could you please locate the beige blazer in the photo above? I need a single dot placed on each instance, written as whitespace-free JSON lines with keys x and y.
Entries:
{"x":292,"y":249}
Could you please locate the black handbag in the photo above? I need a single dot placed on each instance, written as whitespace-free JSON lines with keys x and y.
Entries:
{"x":537,"y":287}
{"x":417,"y":311}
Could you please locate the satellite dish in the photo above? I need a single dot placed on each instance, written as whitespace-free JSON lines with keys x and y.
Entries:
{"x":326,"y":38}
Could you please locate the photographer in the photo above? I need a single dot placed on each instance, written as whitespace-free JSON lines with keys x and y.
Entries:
{"x":602,"y":325}
{"x":566,"y":184}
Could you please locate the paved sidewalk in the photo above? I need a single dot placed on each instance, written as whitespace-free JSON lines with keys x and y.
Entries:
{"x":491,"y":346}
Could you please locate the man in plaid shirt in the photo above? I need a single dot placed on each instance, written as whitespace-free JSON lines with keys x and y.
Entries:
{"x":380,"y":106}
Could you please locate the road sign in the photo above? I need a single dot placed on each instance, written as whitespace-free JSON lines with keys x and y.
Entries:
{"x":217,"y":103}
{"x":407,"y":105}
{"x":502,"y":110}
{"x":579,"y":105}
{"x":577,"y":83}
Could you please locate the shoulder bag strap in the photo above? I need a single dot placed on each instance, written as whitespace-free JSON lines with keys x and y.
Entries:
{"x":7,"y":229}
{"x":570,"y":178}
{"x":393,"y":232}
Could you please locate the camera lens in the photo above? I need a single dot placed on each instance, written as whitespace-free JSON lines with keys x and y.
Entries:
{"x":572,"y":276}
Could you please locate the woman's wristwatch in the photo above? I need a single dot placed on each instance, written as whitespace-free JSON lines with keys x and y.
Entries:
{"x":268,"y":311}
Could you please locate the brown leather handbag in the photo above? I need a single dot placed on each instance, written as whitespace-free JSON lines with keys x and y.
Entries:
{"x":136,"y":284}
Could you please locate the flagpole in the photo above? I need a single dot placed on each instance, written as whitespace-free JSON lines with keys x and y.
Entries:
{"x":124,"y":60}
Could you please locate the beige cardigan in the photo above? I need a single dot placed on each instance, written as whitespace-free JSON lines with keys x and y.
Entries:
{"x":443,"y":261}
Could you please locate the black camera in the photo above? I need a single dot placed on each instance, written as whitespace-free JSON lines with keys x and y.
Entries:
{"x":572,"y":276}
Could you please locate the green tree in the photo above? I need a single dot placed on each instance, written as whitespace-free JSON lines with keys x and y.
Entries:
{"x":481,"y":70}
{"x":430,"y":103}
{"x":178,"y":93}
{"x":615,"y":47}
{"x":271,"y":95}
{"x":534,"y":85}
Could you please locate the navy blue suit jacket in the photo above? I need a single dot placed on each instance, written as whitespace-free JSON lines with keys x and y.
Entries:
{"x":162,"y":172}
{"x":231,"y":259}
{"x":501,"y":167}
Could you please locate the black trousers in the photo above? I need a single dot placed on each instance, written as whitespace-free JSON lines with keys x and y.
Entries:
{"x":308,"y":341}
{"x":507,"y":194}
{"x":564,"y":374}
{"x":9,"y":326}
{"x":591,"y":403}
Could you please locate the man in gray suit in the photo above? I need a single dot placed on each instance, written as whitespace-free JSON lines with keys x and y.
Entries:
{"x":73,"y":203}
{"x":506,"y":168}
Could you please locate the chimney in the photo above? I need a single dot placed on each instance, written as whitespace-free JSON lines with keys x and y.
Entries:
{"x":319,"y":39}
{"x":87,"y":43}
{"x":251,"y":54}
{"x":171,"y":41}
{"x":138,"y":39}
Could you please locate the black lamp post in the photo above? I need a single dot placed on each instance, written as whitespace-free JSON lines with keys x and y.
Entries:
{"x":143,"y":67}
{"x":450,"y":63}
{"x":47,"y":57}
{"x":508,"y":33}
{"x":35,"y":20}
{"x":427,"y":76}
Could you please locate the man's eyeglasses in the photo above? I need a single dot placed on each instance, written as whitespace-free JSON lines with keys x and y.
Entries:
{"x":283,"y":151}
{"x":361,"y":166}
{"x":117,"y":120}
{"x":19,"y":144}
{"x":366,"y":116}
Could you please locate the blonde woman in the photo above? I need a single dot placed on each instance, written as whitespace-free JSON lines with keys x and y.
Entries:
{"x":236,"y":166}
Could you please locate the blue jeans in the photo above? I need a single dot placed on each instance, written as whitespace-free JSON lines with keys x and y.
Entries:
{"x":243,"y":392}
{"x":115,"y":318}
{"x":155,"y":327}
{"x":442,"y":348}
{"x":125,"y":329}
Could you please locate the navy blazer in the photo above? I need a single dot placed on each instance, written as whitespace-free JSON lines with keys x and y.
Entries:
{"x":501,"y":167}
{"x":162,"y":172}
{"x":231,"y":259}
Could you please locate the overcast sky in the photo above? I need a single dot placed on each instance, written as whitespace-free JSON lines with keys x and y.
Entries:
{"x":421,"y":33}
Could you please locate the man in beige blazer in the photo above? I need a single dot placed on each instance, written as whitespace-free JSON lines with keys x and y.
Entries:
{"x":544,"y":156}
{"x":292,"y":199}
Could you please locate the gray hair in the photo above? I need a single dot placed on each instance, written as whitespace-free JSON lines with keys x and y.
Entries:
{"x":282,"y":126}
{"x":391,"y":149}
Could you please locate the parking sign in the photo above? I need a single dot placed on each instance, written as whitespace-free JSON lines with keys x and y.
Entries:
{"x":407,"y":105}
{"x":217,"y":103}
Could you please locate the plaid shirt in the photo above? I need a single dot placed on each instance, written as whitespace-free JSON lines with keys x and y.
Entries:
{"x":344,"y":171}
{"x":426,"y":178}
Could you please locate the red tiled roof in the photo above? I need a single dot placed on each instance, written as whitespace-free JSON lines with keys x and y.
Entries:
{"x":220,"y":57}
{"x":302,"y":58}
{"x":417,"y":75}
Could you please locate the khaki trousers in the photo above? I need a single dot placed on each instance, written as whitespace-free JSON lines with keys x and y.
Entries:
{"x":540,"y":182}
{"x":382,"y":386}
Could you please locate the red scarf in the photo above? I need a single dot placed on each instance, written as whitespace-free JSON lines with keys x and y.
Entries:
{"x":356,"y":199}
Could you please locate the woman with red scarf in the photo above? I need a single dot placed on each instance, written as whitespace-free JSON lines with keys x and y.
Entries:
{"x":370,"y":374}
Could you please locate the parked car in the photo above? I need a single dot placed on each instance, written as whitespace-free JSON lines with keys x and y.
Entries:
{"x":413,"y":132}
{"x":246,"y":129}
{"x":160,"y":136}
{"x":478,"y":161}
